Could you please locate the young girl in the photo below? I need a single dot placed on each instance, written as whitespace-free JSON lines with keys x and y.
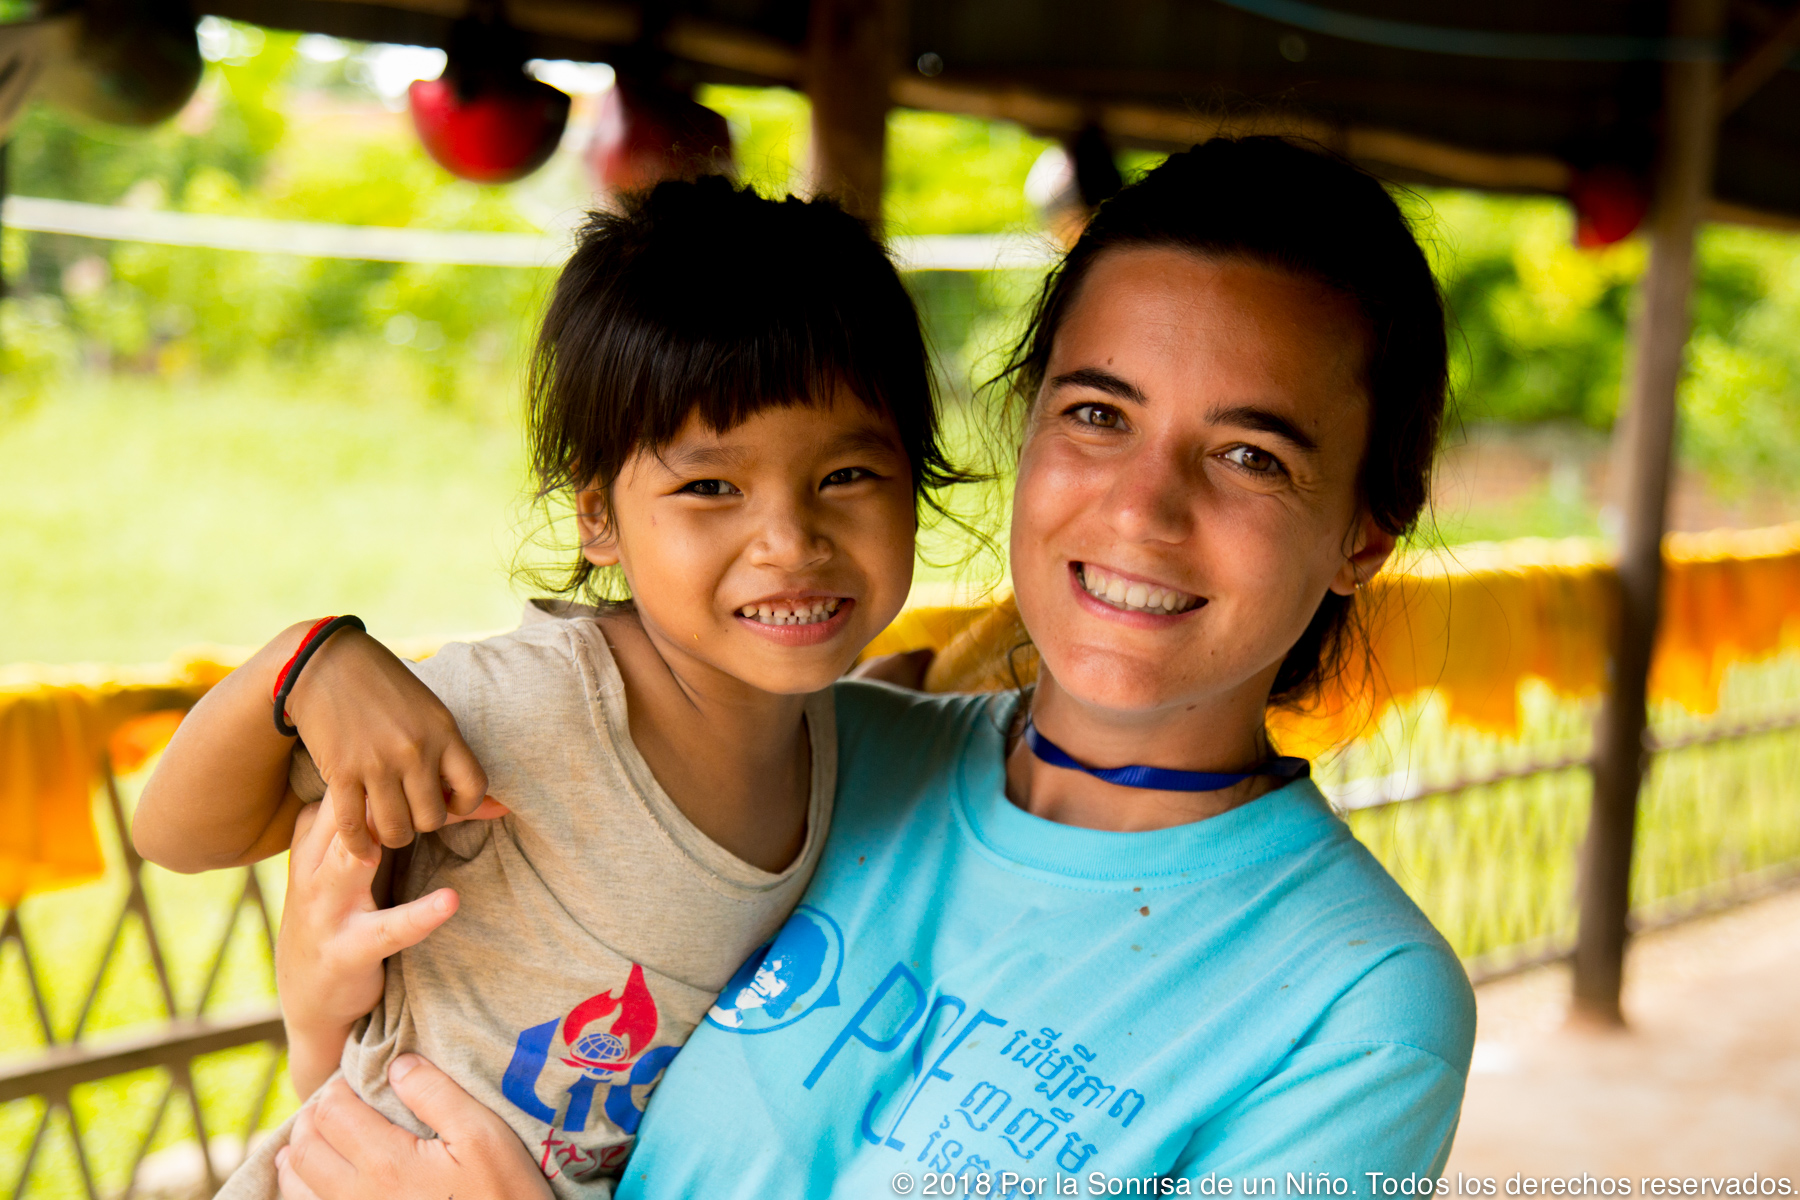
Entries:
{"x":736,"y":393}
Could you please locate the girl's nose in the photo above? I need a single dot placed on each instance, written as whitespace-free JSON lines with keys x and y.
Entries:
{"x":790,"y":539}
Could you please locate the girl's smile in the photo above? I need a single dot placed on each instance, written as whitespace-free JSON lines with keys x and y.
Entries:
{"x":798,"y":621}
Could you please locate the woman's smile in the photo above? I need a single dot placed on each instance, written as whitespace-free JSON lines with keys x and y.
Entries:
{"x":1114,"y":593}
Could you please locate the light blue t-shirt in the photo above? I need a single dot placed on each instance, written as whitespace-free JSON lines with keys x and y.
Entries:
{"x":970,"y":989}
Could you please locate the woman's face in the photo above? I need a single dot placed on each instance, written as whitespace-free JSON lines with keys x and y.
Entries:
{"x":1187,"y":491}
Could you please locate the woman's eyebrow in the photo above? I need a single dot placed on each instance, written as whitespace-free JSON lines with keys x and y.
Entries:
{"x":1249,"y":416}
{"x":1101,"y":381}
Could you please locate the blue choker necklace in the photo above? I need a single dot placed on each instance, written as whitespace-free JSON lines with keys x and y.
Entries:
{"x":1161,"y":779}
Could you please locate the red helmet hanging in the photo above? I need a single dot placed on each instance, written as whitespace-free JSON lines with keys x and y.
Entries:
{"x":647,"y":131}
{"x":1610,"y":202}
{"x":484,"y":118}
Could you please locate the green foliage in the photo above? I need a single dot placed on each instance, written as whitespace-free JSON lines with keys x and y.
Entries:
{"x":244,"y":147}
{"x":1537,"y":326}
{"x":231,"y":125}
{"x":949,"y":174}
{"x":1541,"y":329}
{"x":972,"y":319}
{"x":768,"y":134}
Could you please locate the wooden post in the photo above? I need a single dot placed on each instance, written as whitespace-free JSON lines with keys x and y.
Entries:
{"x":1643,"y":446}
{"x":852,"y":51}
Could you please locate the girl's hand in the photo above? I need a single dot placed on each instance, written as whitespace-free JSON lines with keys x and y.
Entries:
{"x":384,"y":744}
{"x":334,"y":938}
{"x":342,"y":1149}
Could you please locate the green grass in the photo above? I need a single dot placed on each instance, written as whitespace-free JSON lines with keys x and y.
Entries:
{"x":143,"y":515}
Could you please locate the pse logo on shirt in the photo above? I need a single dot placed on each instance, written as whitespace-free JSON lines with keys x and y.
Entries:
{"x":786,"y":979}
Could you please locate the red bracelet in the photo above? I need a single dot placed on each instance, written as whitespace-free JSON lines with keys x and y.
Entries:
{"x":290,"y":674}
{"x":280,"y":679}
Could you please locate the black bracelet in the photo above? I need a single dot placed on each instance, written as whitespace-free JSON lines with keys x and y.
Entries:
{"x":298,"y":663}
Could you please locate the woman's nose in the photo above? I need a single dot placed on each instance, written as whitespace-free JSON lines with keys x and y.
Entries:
{"x":1151,"y":498}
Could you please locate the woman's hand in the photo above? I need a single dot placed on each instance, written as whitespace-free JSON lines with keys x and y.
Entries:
{"x":342,"y":1149}
{"x":384,"y":743}
{"x":334,"y":938}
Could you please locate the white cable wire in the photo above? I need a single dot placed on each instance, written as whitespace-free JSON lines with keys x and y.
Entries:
{"x":981,"y":252}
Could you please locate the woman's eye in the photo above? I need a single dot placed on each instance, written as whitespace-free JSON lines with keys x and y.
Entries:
{"x":710,"y":487}
{"x":847,"y":475}
{"x":1100,"y":416}
{"x":1257,"y":462}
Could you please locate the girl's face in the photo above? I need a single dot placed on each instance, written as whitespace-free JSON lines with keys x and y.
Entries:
{"x":772,"y":552}
{"x":1188,"y":488}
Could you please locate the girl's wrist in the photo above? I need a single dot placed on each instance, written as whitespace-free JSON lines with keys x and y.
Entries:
{"x":315,"y":679}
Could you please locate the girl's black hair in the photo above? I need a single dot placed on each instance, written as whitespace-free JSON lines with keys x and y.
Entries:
{"x":702,"y":297}
{"x":1276,"y":202}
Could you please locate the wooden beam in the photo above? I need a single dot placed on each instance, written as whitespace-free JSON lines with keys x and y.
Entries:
{"x":1643,"y":446}
{"x":1760,"y":65}
{"x":1737,"y":214}
{"x":1151,"y":126}
{"x":852,"y":56}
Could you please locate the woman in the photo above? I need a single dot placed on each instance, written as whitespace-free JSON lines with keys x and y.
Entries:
{"x":1096,"y":930}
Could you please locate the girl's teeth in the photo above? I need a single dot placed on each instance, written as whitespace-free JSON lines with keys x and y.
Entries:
{"x":804,"y":614}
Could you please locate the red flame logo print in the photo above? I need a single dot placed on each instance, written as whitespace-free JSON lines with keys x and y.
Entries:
{"x":598,"y":1045}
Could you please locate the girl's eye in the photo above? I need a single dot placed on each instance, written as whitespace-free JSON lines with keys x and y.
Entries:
{"x":710,"y":487}
{"x":1099,"y":416}
{"x":1257,"y":462}
{"x":847,"y":475}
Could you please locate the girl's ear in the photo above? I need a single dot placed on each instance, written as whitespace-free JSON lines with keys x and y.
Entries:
{"x":598,"y":543}
{"x":1367,"y":548}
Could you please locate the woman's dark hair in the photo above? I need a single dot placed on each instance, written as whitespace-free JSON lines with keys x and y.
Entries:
{"x":1275,"y":202}
{"x":702,"y":297}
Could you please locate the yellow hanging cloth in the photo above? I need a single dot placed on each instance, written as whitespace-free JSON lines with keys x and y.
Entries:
{"x":1472,"y":623}
{"x":55,"y":725}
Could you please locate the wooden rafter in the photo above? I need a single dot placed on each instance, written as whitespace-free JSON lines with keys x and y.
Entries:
{"x":1749,"y":73}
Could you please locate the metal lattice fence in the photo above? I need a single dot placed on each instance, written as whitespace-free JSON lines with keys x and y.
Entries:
{"x":137,"y":1023}
{"x":1493,"y":859}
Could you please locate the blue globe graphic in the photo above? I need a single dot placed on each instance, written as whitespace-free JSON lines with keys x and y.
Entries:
{"x":599,"y":1047}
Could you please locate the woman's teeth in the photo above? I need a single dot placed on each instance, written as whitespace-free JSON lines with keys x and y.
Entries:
{"x":1131,"y":595}
{"x":791,"y":612}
